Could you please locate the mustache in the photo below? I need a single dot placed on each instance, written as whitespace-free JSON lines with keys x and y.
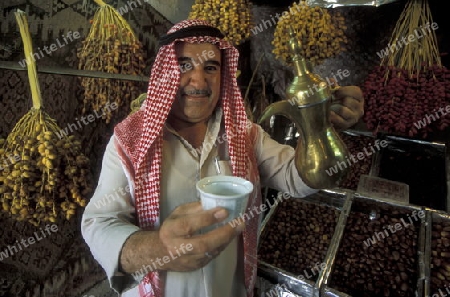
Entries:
{"x":196,"y":92}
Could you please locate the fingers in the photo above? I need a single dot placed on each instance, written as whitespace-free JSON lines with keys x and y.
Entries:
{"x":211,"y":242}
{"x":339,"y":122}
{"x":350,"y":108}
{"x":349,"y":91}
{"x":188,"y":208}
{"x":181,"y":228}
{"x":343,"y":117}
{"x":178,"y":229}
{"x":188,"y":225}
{"x":346,"y":113}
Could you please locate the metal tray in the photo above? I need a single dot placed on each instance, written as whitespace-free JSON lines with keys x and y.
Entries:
{"x":372,"y":207}
{"x":425,"y":189}
{"x":330,"y":292}
{"x":433,"y":216}
{"x":357,"y":142}
{"x":347,"y":3}
{"x":337,"y":199}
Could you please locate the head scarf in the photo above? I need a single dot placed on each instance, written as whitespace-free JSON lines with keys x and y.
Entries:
{"x":140,"y":135}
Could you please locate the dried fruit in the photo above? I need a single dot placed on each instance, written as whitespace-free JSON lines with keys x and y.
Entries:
{"x":111,"y":46}
{"x":233,"y":18}
{"x":408,"y":93}
{"x":34,"y":182}
{"x":319,"y":30}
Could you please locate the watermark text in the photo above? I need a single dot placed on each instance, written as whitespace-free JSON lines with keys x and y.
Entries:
{"x":37,"y":236}
{"x":391,"y":229}
{"x":429,"y":118}
{"x":158,"y":263}
{"x":86,"y":120}
{"x":404,"y":41}
{"x":360,"y":156}
{"x":39,"y":54}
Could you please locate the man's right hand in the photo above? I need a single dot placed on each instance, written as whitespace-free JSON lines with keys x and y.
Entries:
{"x":178,"y":238}
{"x":181,"y":229}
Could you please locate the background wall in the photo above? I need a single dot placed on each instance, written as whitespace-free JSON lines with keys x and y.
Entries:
{"x":172,"y":10}
{"x":60,"y":265}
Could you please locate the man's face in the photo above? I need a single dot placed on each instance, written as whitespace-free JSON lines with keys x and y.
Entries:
{"x":199,"y":91}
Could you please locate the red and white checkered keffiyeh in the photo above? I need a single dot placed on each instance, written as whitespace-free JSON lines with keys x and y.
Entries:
{"x":139,"y":144}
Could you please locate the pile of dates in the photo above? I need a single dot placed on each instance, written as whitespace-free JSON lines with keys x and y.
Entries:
{"x":440,"y":258}
{"x":297,"y":237}
{"x":378,"y":254}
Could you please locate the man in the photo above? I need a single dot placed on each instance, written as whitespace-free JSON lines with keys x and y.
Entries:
{"x":144,"y":222}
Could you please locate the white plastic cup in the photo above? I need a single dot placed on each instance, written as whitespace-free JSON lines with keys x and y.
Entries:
{"x":229,"y":192}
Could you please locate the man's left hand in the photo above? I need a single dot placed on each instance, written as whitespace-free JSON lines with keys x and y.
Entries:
{"x":347,"y":107}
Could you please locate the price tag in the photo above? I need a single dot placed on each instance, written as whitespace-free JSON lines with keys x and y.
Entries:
{"x":377,"y":187}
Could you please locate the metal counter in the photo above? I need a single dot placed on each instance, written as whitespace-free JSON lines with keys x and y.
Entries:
{"x":347,"y":202}
{"x":291,"y":283}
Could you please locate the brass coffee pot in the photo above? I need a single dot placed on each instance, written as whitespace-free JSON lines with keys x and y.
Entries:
{"x":308,"y":102}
